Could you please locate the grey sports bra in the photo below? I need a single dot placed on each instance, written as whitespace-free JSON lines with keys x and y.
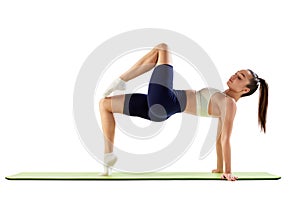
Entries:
{"x":202,"y":100}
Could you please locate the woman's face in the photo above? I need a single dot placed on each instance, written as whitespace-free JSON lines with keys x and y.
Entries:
{"x":239,"y":81}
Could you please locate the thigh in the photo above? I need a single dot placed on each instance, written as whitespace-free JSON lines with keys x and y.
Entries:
{"x":116,"y":103}
{"x":162,"y":75}
{"x":136,"y":104}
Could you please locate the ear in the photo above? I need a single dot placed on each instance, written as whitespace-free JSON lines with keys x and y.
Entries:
{"x":246,"y":90}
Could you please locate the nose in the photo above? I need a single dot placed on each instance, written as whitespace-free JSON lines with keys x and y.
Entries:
{"x":233,"y":76}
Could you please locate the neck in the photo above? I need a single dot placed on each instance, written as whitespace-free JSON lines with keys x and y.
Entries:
{"x":236,"y":96}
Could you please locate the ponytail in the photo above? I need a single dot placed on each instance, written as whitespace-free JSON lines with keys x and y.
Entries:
{"x":263,"y":97}
{"x":263,"y":104}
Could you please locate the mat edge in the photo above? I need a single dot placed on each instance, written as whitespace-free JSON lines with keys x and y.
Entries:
{"x":12,"y":177}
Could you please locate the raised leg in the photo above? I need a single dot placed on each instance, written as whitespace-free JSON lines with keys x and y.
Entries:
{"x":158,"y":55}
{"x":109,"y":105}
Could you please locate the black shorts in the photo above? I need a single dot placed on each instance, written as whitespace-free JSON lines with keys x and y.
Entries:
{"x":161,"y":102}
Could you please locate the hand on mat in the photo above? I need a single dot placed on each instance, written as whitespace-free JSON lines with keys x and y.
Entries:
{"x":217,"y":171}
{"x":229,"y":177}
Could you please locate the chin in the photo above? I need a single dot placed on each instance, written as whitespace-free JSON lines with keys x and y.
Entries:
{"x":228,"y":84}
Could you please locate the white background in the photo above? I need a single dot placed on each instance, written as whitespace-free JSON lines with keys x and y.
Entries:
{"x":44,"y":44}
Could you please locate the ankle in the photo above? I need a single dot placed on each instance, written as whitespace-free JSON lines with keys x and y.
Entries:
{"x":110,"y":159}
{"x":109,"y":153}
{"x":122,"y":78}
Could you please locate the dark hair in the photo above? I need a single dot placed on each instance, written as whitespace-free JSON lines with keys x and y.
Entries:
{"x":263,"y":97}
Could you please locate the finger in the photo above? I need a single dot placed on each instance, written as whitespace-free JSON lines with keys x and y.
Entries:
{"x":223,"y":177}
{"x":234,"y":178}
{"x":228,"y":177}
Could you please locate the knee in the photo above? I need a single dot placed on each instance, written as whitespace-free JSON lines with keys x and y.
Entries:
{"x":162,"y":46}
{"x":103,"y":103}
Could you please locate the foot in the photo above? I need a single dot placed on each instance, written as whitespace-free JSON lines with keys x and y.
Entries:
{"x":117,"y":84}
{"x":106,"y":172}
{"x":109,"y":160}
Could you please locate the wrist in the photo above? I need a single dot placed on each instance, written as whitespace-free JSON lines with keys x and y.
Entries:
{"x":227,"y":168}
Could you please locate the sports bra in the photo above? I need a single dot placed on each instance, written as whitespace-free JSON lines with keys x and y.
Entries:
{"x":202,"y":100}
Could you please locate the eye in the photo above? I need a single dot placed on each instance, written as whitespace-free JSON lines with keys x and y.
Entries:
{"x":239,"y":78}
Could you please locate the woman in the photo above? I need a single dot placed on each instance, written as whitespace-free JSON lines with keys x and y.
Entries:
{"x":162,"y":101}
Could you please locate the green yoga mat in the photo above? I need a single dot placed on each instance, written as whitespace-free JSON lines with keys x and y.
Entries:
{"x":138,"y":176}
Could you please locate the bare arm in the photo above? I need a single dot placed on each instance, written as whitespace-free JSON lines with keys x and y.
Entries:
{"x":219,"y":150}
{"x":227,"y":119}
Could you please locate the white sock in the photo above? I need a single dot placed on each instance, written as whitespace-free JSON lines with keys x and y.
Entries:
{"x":117,"y":84}
{"x":109,"y":160}
{"x":106,"y":172}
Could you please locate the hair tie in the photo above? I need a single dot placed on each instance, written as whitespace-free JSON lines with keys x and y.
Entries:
{"x":260,"y":80}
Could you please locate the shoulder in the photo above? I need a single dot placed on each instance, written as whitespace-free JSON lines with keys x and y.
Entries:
{"x":230,"y":102}
{"x":230,"y":106}
{"x":227,"y":105}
